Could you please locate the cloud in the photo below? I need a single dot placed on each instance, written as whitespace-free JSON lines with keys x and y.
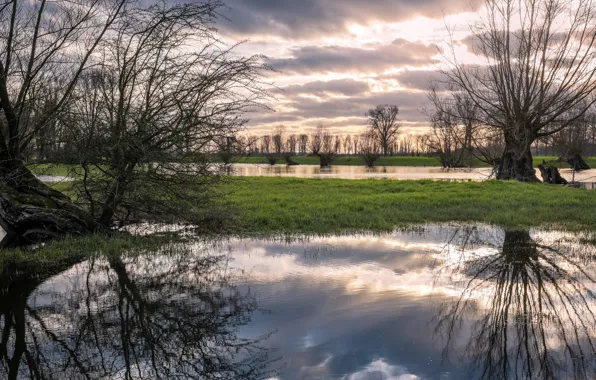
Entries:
{"x":293,"y":19}
{"x":345,"y":87}
{"x":380,"y":369}
{"x":342,"y":59}
{"x":419,"y":79}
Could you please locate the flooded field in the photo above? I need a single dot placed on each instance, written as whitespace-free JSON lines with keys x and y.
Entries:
{"x":433,"y":302}
{"x":391,"y":172}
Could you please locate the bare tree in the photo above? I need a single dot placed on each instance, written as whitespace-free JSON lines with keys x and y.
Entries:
{"x":278,"y":139}
{"x":573,"y":142}
{"x":323,"y":145}
{"x":291,"y":143}
{"x":445,"y":140}
{"x":137,"y":326}
{"x":303,"y":143}
{"x":383,"y":122}
{"x":537,"y":77}
{"x":165,"y":89}
{"x":268,"y":149}
{"x":510,"y":330}
{"x":42,"y":45}
{"x":457,"y":136}
{"x":348,"y":144}
{"x":368,"y":148}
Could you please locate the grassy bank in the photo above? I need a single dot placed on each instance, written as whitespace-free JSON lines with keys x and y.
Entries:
{"x":272,"y":205}
{"x":399,"y":161}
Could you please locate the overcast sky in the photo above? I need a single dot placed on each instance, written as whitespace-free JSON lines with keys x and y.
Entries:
{"x":338,"y":58}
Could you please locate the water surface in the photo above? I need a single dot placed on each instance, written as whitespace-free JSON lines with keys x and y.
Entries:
{"x":434,"y":302}
{"x":390,"y":172}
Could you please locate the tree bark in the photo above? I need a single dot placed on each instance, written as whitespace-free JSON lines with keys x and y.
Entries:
{"x":31,"y":211}
{"x":516,"y":162}
{"x":578,"y":163}
{"x":550,"y":174}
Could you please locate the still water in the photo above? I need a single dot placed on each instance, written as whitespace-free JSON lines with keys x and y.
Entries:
{"x":433,"y":302}
{"x":391,"y":172}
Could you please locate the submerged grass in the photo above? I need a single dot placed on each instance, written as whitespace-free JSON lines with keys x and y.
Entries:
{"x":295,"y":205}
{"x":45,"y":258}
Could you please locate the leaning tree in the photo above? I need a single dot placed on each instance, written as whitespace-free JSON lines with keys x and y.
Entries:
{"x":533,"y":74}
{"x":43,"y":45}
{"x":165,"y":90}
{"x":138,"y":89}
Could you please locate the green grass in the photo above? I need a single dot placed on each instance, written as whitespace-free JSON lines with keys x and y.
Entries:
{"x":290,"y":205}
{"x":398,"y":161}
{"x":44,"y":258}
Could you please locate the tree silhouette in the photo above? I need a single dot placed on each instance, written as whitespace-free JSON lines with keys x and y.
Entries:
{"x":165,"y":315}
{"x":537,"y":321}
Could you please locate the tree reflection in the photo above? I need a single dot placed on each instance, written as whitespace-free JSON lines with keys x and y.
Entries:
{"x":532,"y":307}
{"x":172,"y":314}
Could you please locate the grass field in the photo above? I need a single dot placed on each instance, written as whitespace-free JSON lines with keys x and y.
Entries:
{"x":265,"y":205}
{"x":398,"y":161}
{"x":289,"y":205}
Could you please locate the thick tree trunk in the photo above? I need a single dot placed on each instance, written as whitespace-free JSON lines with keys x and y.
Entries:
{"x":516,"y":162}
{"x":31,"y":211}
{"x":325,"y":160}
{"x":578,"y":163}
{"x":518,"y":247}
{"x":550,"y":174}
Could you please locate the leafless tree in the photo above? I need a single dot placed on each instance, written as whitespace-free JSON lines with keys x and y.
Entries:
{"x":303,"y":143}
{"x":571,"y":143}
{"x":291,"y":143}
{"x":43,"y":45}
{"x":323,"y":145}
{"x":164,"y":89}
{"x":348,"y":144}
{"x":137,"y":331}
{"x":537,"y":77}
{"x":383,"y":122}
{"x":278,"y":139}
{"x":369,"y":148}
{"x":540,"y":293}
{"x":457,"y":136}
{"x":268,"y":149}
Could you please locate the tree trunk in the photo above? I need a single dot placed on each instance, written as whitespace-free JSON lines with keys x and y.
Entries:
{"x":516,"y":162}
{"x":325,"y":160}
{"x":550,"y":174}
{"x":518,"y":247}
{"x":31,"y":211}
{"x":578,"y":163}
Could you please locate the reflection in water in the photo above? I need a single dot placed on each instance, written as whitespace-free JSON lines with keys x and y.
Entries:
{"x":391,"y":172}
{"x":532,"y":306}
{"x":166,"y":315}
{"x":511,"y":304}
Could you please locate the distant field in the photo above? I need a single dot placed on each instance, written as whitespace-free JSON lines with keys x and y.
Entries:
{"x":297,"y":205}
{"x":398,"y":161}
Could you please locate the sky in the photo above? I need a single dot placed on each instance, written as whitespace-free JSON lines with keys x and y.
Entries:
{"x":335,"y":59}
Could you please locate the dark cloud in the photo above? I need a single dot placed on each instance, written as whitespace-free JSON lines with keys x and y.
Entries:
{"x":318,"y":59}
{"x":311,"y":18}
{"x":346,"y":87}
{"x":420,"y":79}
{"x":354,"y":108}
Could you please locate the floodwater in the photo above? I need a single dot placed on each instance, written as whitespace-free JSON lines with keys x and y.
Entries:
{"x":433,"y":302}
{"x":391,"y":172}
{"x":587,"y":177}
